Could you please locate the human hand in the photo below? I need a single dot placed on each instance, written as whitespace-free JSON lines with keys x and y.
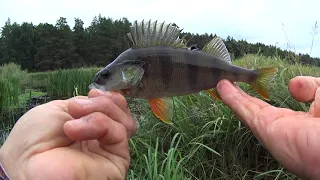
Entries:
{"x":291,"y":137}
{"x":79,"y":138}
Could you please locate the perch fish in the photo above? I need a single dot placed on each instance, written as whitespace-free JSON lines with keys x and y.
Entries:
{"x":159,"y":65}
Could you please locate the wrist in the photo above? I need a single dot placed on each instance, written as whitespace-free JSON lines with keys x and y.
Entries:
{"x":8,"y":164}
{"x":3,"y":173}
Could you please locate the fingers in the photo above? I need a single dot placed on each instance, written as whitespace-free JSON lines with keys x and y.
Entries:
{"x":303,"y":88}
{"x":232,"y":97}
{"x":121,"y":102}
{"x":315,"y":106}
{"x":243,"y":105}
{"x":95,"y":126}
{"x":108,"y":105}
{"x":117,"y":98}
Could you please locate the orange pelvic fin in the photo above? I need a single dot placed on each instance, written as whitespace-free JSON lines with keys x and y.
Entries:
{"x":162,"y":108}
{"x":214,"y":93}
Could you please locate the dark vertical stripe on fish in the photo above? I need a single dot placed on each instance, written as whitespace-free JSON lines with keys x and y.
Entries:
{"x":190,"y":70}
{"x":200,"y":72}
{"x":216,"y":74}
{"x":145,"y":67}
{"x":192,"y":74}
{"x":166,"y":70}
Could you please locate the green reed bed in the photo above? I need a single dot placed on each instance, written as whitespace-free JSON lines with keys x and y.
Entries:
{"x":11,"y":78}
{"x":68,"y":83}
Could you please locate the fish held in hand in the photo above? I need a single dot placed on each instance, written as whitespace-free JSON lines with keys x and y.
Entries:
{"x":159,"y":65}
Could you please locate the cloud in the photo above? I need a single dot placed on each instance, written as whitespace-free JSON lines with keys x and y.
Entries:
{"x":266,"y":21}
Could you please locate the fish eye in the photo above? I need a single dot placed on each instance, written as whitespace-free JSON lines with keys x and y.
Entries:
{"x":105,"y":74}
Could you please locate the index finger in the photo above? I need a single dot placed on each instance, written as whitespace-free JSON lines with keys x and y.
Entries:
{"x":81,"y":107}
{"x":303,"y":88}
{"x":243,"y":105}
{"x":117,"y":98}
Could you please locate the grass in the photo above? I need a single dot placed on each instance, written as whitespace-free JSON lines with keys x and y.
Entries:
{"x":209,"y":142}
{"x":66,"y":83}
{"x":205,"y":142}
{"x":11,"y":78}
{"x":27,"y":95}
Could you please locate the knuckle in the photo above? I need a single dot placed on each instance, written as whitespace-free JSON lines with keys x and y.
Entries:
{"x":122,"y":128}
{"x":126,"y":163}
{"x":128,"y":126}
{"x":97,"y":118}
{"x":98,"y":115}
{"x":106,"y":102}
{"x":132,"y":127}
{"x":62,"y":104}
{"x":118,"y":99}
{"x":56,"y":102}
{"x":122,"y":100}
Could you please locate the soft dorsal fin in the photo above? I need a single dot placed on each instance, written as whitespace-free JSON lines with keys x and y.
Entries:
{"x":218,"y":48}
{"x":155,"y":34}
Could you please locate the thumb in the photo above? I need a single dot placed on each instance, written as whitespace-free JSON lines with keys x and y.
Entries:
{"x":303,"y":88}
{"x":315,"y":106}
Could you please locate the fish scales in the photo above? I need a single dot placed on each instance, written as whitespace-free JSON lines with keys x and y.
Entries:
{"x":160,"y":65}
{"x":174,"y":72}
{"x":193,"y":73}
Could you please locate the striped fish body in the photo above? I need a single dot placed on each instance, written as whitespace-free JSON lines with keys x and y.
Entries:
{"x":174,"y":71}
{"x":160,"y":65}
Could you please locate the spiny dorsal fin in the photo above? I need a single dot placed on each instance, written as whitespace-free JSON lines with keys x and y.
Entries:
{"x":155,"y":34}
{"x":218,"y":48}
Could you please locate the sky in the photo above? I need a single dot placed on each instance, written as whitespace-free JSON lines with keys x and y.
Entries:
{"x":272,"y":22}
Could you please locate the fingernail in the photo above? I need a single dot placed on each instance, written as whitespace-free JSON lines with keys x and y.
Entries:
{"x":98,"y":91}
{"x":316,"y":106}
{"x":103,"y":93}
{"x":72,"y":123}
{"x":317,"y":96}
{"x":108,"y":93}
{"x":83,"y":102}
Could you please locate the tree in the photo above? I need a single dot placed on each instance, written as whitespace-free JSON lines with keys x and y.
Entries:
{"x":46,"y":46}
{"x":80,"y":40}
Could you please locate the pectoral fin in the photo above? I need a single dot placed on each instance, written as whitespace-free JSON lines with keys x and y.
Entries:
{"x":214,"y":93}
{"x":162,"y":108}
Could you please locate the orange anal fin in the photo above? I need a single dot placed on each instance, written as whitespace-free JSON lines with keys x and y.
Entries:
{"x":162,"y":108}
{"x":214,"y":93}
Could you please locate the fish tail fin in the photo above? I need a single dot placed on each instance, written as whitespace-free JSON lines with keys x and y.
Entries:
{"x":261,"y":84}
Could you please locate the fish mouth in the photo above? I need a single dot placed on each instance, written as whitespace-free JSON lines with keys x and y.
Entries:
{"x":96,"y":86}
{"x":93,"y":86}
{"x":103,"y":88}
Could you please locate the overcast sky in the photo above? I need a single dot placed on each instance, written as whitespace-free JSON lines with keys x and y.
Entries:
{"x":275,"y":22}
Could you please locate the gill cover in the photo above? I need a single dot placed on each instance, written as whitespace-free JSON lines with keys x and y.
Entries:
{"x":117,"y":77}
{"x":149,"y":34}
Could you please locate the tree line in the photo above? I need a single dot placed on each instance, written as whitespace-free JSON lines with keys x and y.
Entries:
{"x":47,"y":46}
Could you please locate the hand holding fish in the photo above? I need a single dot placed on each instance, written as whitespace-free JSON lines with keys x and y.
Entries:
{"x":291,"y":137}
{"x":78,"y":138}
